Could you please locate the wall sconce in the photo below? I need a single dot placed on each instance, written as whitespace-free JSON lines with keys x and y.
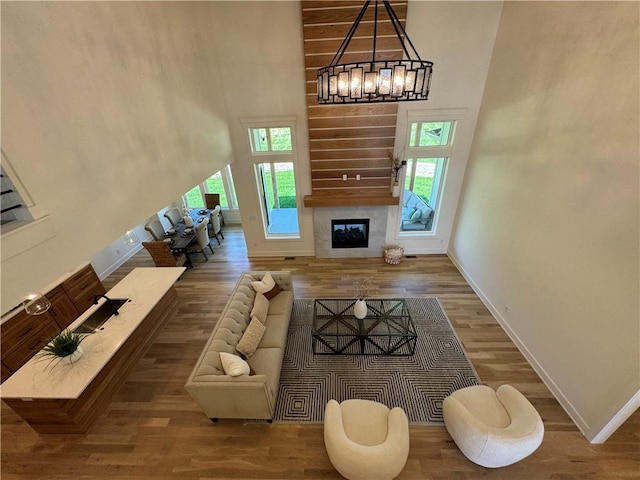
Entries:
{"x":36,"y":303}
{"x":130,"y":238}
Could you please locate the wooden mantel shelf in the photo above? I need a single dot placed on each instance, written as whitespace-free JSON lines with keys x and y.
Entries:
{"x":350,"y":198}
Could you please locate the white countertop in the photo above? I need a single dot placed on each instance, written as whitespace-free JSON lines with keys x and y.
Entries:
{"x":41,"y":378}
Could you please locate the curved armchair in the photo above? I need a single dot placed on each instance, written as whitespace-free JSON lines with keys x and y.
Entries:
{"x":365,"y":440}
{"x":493,"y":428}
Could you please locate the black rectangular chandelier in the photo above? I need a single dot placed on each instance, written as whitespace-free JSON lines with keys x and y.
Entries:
{"x":377,"y":80}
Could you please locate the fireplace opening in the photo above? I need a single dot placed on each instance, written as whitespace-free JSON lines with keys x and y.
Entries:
{"x":350,"y":233}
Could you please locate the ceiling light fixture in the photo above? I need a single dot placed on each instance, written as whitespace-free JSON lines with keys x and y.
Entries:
{"x":375,"y":80}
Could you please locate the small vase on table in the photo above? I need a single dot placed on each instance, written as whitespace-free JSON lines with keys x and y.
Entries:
{"x":360,"y":309}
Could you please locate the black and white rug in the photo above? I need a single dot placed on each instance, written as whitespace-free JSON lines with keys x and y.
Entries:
{"x":418,"y":384}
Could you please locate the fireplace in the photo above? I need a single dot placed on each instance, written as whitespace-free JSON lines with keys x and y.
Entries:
{"x":376,"y":230}
{"x":350,"y":233}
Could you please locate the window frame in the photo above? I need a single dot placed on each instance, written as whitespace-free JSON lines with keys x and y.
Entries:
{"x":272,"y":157}
{"x":417,"y":152}
{"x":270,"y":151}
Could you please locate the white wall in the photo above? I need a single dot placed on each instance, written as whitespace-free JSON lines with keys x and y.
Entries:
{"x":547,"y":230}
{"x":458,"y":38}
{"x":262,"y":67}
{"x":110,"y":111}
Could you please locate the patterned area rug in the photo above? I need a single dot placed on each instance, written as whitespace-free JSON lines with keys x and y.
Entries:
{"x":418,"y":384}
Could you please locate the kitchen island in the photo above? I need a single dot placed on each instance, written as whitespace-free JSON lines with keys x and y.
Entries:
{"x":61,"y":397}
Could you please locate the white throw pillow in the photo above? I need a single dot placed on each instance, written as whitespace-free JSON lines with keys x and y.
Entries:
{"x":233,"y":365}
{"x":264,"y":285}
{"x":260,"y":308}
{"x":251,"y":338}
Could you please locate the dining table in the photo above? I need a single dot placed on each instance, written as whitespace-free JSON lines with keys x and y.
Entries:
{"x":182,"y":236}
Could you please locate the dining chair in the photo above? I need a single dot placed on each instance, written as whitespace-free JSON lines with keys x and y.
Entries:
{"x":163,"y":256}
{"x":214,"y":224}
{"x":202,"y":239}
{"x":173,"y":215}
{"x":155,"y":228}
{"x":213,"y":200}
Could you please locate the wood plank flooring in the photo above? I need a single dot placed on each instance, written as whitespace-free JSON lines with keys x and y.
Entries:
{"x":153,"y":430}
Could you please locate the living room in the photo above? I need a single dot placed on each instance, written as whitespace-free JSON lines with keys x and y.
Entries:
{"x":130,"y":105}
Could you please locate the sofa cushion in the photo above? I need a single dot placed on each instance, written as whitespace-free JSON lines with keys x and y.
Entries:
{"x":282,"y":304}
{"x":264,"y":285}
{"x":406,"y":197}
{"x":260,"y":308}
{"x":426,"y":212}
{"x":233,"y":365}
{"x":251,"y":338}
{"x":415,"y":216}
{"x":268,"y":362}
{"x":275,"y":335}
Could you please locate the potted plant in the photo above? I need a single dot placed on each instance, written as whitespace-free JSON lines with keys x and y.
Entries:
{"x":396,"y":166}
{"x":64,"y":346}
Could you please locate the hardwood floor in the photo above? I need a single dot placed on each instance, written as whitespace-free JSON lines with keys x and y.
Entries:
{"x":153,"y":430}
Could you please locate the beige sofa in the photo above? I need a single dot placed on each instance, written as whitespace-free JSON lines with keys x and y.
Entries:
{"x":246,"y":396}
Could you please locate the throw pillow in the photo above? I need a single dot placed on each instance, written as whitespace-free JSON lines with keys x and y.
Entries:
{"x":273,"y":292}
{"x":251,"y":338}
{"x":415,"y":216}
{"x":265,"y":284}
{"x":233,"y":365}
{"x":260,"y":307}
{"x":426,"y":212}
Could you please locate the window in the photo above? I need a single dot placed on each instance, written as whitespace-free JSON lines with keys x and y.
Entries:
{"x":272,"y":148}
{"x":14,"y":208}
{"x":276,"y":139}
{"x":194,"y":198}
{"x":277,"y":187}
{"x":429,"y":148}
{"x":220,"y":182}
{"x":425,"y":134}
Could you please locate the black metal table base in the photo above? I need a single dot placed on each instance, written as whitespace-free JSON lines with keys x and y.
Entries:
{"x":386,"y":330}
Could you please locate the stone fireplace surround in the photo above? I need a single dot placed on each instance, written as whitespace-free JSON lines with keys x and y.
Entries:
{"x":322,"y":217}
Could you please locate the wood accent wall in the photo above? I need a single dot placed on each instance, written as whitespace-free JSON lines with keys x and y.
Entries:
{"x":352,"y":139}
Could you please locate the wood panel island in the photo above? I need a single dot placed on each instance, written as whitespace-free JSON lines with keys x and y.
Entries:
{"x":62,"y":397}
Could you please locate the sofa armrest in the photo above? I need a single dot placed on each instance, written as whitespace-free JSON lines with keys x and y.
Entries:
{"x":221,"y":396}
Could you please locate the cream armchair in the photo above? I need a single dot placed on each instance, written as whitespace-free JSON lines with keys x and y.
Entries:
{"x":492,"y":428}
{"x":365,"y":440}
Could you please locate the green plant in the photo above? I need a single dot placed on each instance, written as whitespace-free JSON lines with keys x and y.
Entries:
{"x":63,"y":344}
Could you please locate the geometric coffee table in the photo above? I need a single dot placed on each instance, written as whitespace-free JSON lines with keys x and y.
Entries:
{"x":386,"y":330}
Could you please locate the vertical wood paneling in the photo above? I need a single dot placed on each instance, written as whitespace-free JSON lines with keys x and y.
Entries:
{"x":348,"y":139}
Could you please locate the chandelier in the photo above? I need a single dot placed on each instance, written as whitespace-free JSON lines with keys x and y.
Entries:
{"x":375,"y":80}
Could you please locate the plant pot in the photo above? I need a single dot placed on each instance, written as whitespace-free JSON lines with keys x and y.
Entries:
{"x":74,"y":357}
{"x":395,"y":191}
{"x":360,"y":309}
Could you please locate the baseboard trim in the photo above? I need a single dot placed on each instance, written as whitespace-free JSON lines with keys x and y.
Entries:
{"x":582,"y":425}
{"x":618,"y":419}
{"x":113,"y":267}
